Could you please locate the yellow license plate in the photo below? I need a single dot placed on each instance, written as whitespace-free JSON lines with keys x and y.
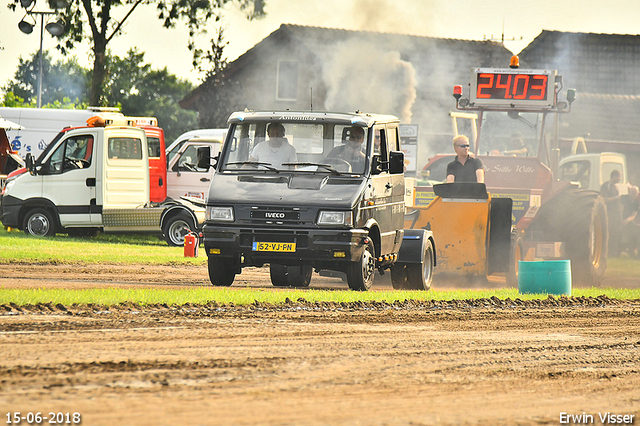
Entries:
{"x":285,"y":247}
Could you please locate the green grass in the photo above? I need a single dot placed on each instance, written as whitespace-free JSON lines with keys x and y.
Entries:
{"x":244,"y":296}
{"x":16,"y":247}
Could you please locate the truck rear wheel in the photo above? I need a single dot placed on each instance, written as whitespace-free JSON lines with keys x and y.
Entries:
{"x":176,"y":228}
{"x":221,"y":271}
{"x":290,"y":276}
{"x":414,"y":276}
{"x":360,"y":273}
{"x":39,"y":222}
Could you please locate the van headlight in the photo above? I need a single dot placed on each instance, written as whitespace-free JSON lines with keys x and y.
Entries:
{"x":327,"y":217}
{"x":220,"y":214}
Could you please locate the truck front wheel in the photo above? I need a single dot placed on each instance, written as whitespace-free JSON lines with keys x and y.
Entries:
{"x":221,"y":271}
{"x":40,"y":223}
{"x":360,"y":273}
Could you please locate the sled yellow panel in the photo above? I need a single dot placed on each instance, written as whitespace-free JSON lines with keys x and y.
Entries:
{"x":460,"y":230}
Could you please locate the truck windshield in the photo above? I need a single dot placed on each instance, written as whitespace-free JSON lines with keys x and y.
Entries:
{"x":297,"y":147}
{"x":510,"y":134}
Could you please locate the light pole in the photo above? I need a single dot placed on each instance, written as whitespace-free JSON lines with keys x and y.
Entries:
{"x":54,"y":28}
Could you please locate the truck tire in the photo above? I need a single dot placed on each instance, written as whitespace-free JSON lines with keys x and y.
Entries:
{"x":39,"y":222}
{"x":578,"y":217}
{"x":221,"y":271}
{"x":517,"y":254}
{"x":360,"y":273}
{"x":414,"y":276}
{"x":176,"y":228}
{"x":290,"y":276}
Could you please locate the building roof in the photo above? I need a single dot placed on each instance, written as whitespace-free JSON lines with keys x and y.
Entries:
{"x":602,"y":118}
{"x":447,"y":60}
{"x":589,"y":62}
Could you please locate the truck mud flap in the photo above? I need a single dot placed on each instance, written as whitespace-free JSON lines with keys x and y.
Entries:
{"x":499,"y":247}
{"x":413,"y":246}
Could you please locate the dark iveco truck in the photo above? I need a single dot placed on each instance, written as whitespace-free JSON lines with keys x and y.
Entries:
{"x":304,"y":191}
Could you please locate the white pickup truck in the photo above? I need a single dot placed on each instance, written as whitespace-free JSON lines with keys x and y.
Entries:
{"x":94,"y":178}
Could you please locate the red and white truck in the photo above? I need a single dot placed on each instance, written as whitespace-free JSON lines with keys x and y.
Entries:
{"x":94,"y":178}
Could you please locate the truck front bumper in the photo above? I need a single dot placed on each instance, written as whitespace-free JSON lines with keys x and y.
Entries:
{"x":10,"y":211}
{"x":321,"y":248}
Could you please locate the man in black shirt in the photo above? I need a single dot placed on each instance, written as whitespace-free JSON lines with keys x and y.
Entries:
{"x":464,"y":168}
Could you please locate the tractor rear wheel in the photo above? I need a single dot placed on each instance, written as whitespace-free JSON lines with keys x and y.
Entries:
{"x":578,"y":217}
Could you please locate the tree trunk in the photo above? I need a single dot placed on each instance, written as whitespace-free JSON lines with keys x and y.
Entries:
{"x":99,"y":74}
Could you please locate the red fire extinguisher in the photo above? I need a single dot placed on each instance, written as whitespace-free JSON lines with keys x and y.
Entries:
{"x":191,"y":245}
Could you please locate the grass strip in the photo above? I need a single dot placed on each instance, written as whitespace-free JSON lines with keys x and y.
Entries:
{"x":243,"y":296}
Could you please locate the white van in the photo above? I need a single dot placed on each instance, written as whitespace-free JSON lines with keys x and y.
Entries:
{"x":184,"y":177}
{"x":41,"y":125}
{"x":175,"y":146}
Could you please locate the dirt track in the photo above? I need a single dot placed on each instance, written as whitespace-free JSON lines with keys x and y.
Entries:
{"x":487,"y":363}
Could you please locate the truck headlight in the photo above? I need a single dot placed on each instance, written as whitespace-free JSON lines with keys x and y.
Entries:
{"x":220,"y":214}
{"x":327,"y":217}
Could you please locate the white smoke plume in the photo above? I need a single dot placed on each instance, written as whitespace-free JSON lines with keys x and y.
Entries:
{"x":361,"y":76}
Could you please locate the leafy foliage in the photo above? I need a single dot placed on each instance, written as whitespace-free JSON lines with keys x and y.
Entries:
{"x":101,"y":21}
{"x":220,"y":94}
{"x":131,"y":85}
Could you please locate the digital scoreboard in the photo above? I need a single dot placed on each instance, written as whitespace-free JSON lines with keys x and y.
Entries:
{"x":512,"y":87}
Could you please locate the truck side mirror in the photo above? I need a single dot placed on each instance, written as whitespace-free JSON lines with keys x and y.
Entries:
{"x":376,"y":164}
{"x":396,"y":162}
{"x":28,"y":163}
{"x":204,"y":157}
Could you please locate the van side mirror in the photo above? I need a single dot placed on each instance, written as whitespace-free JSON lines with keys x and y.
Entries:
{"x":396,"y":162}
{"x":204,"y":157}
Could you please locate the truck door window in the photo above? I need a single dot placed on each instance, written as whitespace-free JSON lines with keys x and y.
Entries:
{"x":125,"y":148}
{"x":188,"y":161}
{"x":154,"y":147}
{"x":576,"y":171}
{"x":74,"y":153}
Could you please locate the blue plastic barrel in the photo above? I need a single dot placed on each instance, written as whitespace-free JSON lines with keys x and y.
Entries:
{"x":547,"y":276}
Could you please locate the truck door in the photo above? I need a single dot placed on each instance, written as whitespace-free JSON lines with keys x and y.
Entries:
{"x":383,"y":190}
{"x":69,"y":180}
{"x":184,"y":177}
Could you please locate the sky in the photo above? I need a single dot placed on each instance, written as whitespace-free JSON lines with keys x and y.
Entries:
{"x":519,"y":20}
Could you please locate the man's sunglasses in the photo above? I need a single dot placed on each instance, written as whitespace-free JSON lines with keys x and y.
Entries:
{"x":463,"y":146}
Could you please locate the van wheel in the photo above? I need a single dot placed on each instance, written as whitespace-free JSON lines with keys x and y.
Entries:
{"x":39,"y":223}
{"x":360,"y":273}
{"x":290,"y":276}
{"x":221,"y":271}
{"x":176,"y":228}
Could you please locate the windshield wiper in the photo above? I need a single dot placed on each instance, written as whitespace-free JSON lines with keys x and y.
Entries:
{"x":254,"y":163}
{"x":324,"y":166}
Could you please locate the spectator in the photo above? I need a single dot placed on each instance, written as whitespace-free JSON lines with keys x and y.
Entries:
{"x":611,"y":195}
{"x":631,"y":222}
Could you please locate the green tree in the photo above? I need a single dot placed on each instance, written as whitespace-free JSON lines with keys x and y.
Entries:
{"x":62,"y":81}
{"x":142,"y":91}
{"x":220,"y":95}
{"x":130,"y":84}
{"x":94,"y":20}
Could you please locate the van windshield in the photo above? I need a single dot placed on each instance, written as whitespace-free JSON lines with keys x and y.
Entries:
{"x":296,"y":147}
